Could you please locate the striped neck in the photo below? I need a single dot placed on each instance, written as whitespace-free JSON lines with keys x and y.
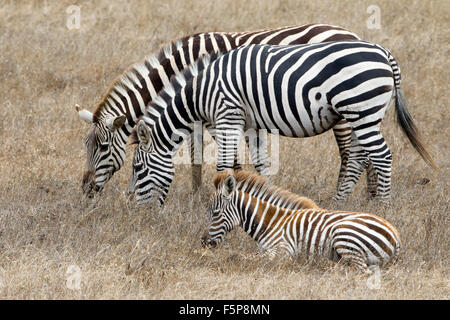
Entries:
{"x":257,"y":216}
{"x":259,"y":204}
{"x":141,"y":83}
{"x":168,"y":132}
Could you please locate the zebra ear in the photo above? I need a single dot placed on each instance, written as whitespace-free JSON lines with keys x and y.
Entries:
{"x":143,"y":132}
{"x":229,"y":185}
{"x":116,"y":123}
{"x":84,"y":114}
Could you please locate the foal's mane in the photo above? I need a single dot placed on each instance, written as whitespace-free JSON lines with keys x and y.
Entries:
{"x":257,"y":186}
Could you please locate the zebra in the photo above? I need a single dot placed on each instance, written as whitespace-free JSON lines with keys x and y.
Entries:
{"x":303,"y":90}
{"x":275,"y":220}
{"x":127,"y":97}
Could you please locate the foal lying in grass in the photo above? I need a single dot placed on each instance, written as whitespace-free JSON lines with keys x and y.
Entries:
{"x":282,"y":221}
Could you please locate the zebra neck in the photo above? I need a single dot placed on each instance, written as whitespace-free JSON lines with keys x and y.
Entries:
{"x":259,"y":216}
{"x":170,"y":125}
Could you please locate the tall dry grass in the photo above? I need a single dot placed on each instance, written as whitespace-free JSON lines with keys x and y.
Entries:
{"x":124,"y":251}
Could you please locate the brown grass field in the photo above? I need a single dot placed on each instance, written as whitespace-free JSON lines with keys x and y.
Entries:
{"x":121,"y":251}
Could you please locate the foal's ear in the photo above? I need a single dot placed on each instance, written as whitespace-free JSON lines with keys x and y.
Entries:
{"x":229,"y":185}
{"x":143,"y":132}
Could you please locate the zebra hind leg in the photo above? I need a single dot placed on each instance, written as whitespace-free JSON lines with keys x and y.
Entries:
{"x":372,"y":180}
{"x":357,"y":162}
{"x":342,"y":133}
{"x":381,"y":159}
{"x":365,"y":123}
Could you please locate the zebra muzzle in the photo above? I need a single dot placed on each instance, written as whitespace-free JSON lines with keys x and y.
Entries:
{"x":208,"y":242}
{"x":88,"y":184}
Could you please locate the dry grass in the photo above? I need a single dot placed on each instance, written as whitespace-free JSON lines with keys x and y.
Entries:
{"x":128,"y":252}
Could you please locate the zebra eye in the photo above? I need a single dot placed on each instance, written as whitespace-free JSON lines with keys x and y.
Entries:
{"x":216,"y":212}
{"x":104,"y":146}
{"x":137,"y":166}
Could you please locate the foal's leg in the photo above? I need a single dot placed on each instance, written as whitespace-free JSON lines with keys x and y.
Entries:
{"x":353,"y":258}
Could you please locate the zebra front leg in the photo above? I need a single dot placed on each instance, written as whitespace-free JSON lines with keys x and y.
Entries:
{"x":196,"y":154}
{"x":257,"y":144}
{"x":227,"y":139}
{"x":212,"y":131}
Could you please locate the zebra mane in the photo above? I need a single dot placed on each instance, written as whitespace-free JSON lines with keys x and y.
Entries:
{"x":257,"y":186}
{"x":176,"y":83}
{"x":129,"y":79}
{"x":179,"y":81}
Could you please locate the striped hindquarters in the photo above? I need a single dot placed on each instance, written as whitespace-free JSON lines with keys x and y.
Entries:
{"x":359,"y":238}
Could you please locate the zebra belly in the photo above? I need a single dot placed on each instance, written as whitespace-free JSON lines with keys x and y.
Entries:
{"x":319,"y":119}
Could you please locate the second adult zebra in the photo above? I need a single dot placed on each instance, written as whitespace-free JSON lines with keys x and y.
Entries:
{"x":300,"y":91}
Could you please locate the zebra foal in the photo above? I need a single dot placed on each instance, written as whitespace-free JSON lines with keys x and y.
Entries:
{"x":281,"y":221}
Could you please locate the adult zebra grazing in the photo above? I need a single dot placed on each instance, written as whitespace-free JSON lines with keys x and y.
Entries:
{"x":126,"y":99}
{"x":300,"y":91}
{"x":276,"y":220}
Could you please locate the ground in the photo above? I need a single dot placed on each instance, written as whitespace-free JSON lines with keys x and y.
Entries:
{"x":54,"y":244}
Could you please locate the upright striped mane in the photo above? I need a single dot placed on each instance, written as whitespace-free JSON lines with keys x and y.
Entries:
{"x":176,"y":82}
{"x":131,"y":75}
{"x":258,"y":187}
{"x":180,"y":80}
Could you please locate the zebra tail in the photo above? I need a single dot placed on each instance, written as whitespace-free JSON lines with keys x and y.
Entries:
{"x":406,"y":121}
{"x":409,"y":128}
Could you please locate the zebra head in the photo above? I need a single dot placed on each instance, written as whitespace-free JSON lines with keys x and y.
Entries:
{"x":222,"y":212}
{"x":105,"y":150}
{"x":152,"y":171}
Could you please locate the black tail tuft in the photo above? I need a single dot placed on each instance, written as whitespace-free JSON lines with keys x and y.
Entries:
{"x":409,"y":128}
